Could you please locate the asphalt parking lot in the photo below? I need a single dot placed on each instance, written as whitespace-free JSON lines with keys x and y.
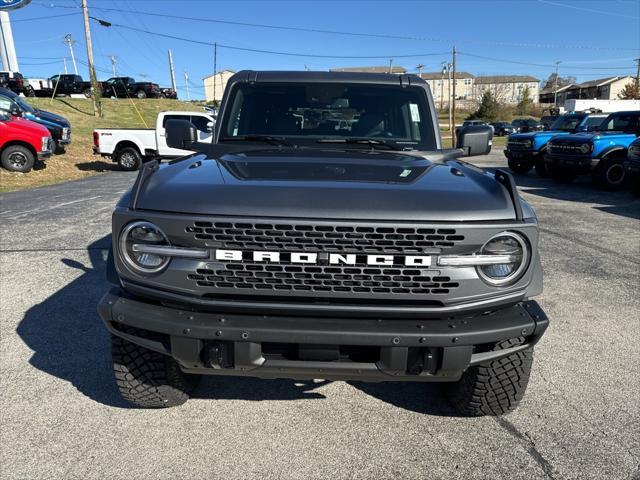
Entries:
{"x":61,"y":417}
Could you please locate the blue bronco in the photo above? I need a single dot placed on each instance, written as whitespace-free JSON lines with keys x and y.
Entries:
{"x":601,"y":153}
{"x":526,"y":150}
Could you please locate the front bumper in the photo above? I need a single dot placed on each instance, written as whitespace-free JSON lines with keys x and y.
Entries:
{"x":521,"y":154}
{"x":248,"y":345}
{"x":581,"y":163}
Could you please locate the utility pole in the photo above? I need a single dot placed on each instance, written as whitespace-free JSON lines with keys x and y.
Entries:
{"x":186,"y":82}
{"x":69,"y":42}
{"x":64,"y":61}
{"x":215,"y":73}
{"x":391,"y":65}
{"x":171,"y":71}
{"x":419,"y":69}
{"x":97,"y":105}
{"x":451,"y":128}
{"x":453,"y":101}
{"x":114,"y":60}
{"x":637,"y":60}
{"x":555,"y":88}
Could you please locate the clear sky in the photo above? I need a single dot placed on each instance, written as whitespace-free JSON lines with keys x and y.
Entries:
{"x":592,"y":38}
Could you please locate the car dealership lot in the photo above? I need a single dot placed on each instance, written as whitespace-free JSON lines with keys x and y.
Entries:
{"x":61,"y":416}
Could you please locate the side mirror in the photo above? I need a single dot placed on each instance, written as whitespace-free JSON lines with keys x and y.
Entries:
{"x":475,"y":140}
{"x":180,"y":134}
{"x":15,"y":111}
{"x":210,"y":127}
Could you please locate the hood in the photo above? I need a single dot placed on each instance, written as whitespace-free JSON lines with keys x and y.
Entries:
{"x":22,"y":126}
{"x":592,"y":136}
{"x":301,"y":183}
{"x":51,"y":118}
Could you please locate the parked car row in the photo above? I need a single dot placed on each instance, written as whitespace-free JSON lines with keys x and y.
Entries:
{"x":604,"y":146}
{"x":506,"y":128}
{"x":28,"y":134}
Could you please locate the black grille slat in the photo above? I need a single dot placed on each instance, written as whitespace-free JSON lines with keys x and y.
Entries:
{"x":324,"y":238}
{"x":339,"y":279}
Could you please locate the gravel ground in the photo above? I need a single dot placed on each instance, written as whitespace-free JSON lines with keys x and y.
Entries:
{"x":61,"y":416}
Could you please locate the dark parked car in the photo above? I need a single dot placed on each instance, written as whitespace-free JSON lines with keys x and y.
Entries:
{"x":548,"y":120}
{"x":632,"y":166}
{"x":15,"y":82}
{"x":123,"y":87}
{"x":58,"y":126}
{"x":167,"y":92}
{"x":500,"y":129}
{"x":527,"y":125}
{"x":325,"y":232}
{"x":69,"y":84}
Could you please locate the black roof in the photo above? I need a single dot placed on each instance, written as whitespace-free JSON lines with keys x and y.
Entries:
{"x":325,"y":77}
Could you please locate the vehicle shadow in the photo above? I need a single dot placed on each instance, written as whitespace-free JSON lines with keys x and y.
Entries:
{"x":73,"y":107}
{"x":98,"y":166}
{"x":622,"y":203}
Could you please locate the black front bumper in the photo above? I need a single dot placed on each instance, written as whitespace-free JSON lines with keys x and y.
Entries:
{"x":579,"y":163}
{"x":521,"y":154}
{"x":241,"y":344}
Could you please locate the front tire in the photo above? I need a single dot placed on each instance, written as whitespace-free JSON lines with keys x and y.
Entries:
{"x":87,"y":93}
{"x":148,"y":379}
{"x":128,"y":159}
{"x":493,"y":388}
{"x":141,"y":94}
{"x":609,"y":174}
{"x":520,"y":165}
{"x":17,"y":158}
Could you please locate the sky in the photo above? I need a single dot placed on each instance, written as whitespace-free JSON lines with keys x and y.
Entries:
{"x":591,"y":38}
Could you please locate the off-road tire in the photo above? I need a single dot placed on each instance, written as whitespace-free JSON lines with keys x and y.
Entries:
{"x":88,"y":93}
{"x":561,"y":174}
{"x":519,"y":165}
{"x":609,"y":174}
{"x":17,"y":158}
{"x":493,"y":388}
{"x":148,"y":379}
{"x":128,"y":159}
{"x":541,"y":168}
{"x":141,"y":94}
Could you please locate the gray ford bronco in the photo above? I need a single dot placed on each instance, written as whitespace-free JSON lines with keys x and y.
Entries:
{"x":325,"y":233}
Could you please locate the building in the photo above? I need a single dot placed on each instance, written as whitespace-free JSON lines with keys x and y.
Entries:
{"x":507,"y":88}
{"x":439,"y":85}
{"x":215,"y":84}
{"x":381,"y":69}
{"x":600,"y":89}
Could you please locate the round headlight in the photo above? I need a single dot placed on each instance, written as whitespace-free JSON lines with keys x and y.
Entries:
{"x":585,"y":148}
{"x":139,"y":234}
{"x":510,"y":244}
{"x":528,"y":143}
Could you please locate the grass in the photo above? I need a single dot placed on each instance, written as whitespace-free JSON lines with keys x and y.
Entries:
{"x":78,"y":161}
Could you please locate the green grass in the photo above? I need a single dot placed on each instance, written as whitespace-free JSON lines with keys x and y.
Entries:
{"x":78,"y":161}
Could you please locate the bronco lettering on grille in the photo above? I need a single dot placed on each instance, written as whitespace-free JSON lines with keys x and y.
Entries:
{"x":322,"y":258}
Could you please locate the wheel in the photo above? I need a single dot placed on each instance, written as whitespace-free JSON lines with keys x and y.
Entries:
{"x":561,"y":174}
{"x":128,"y":158}
{"x":493,"y":388}
{"x":29,"y":92}
{"x":162,"y":95}
{"x":87,"y":93}
{"x":58,"y":149}
{"x":520,"y":165}
{"x":541,"y":168}
{"x":609,"y":174}
{"x":17,"y":158}
{"x":149,"y":379}
{"x":141,"y":94}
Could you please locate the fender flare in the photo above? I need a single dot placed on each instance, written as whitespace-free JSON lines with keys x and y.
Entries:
{"x":608,"y":151}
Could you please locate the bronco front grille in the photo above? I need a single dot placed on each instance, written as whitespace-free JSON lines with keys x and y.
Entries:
{"x":323,"y":238}
{"x":515,"y":144}
{"x":565,"y":148}
{"x":347,"y":280}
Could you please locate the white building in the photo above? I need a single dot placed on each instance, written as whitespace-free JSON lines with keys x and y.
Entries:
{"x":215,"y":84}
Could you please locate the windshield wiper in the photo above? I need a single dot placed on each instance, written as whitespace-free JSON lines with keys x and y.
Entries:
{"x":280,"y":141}
{"x":373,"y":142}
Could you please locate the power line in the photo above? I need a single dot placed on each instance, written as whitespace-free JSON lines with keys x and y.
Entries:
{"x":535,"y":64}
{"x":353,"y":34}
{"x":44,"y":18}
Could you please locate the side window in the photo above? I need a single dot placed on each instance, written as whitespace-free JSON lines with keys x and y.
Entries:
{"x":623,"y":123}
{"x":200,"y":122}
{"x":175,"y":117}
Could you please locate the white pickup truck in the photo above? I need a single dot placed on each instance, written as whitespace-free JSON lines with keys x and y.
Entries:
{"x":130,"y":147}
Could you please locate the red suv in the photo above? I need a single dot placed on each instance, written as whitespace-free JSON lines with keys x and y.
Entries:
{"x":22,"y":142}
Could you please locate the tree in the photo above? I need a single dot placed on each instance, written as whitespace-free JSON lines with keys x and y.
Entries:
{"x":562,"y":81}
{"x":631,"y":91}
{"x":488,"y":109}
{"x":524,"y":105}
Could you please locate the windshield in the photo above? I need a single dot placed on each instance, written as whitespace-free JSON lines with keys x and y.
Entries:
{"x":304,"y":113}
{"x":594,"y":121}
{"x":567,"y":123}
